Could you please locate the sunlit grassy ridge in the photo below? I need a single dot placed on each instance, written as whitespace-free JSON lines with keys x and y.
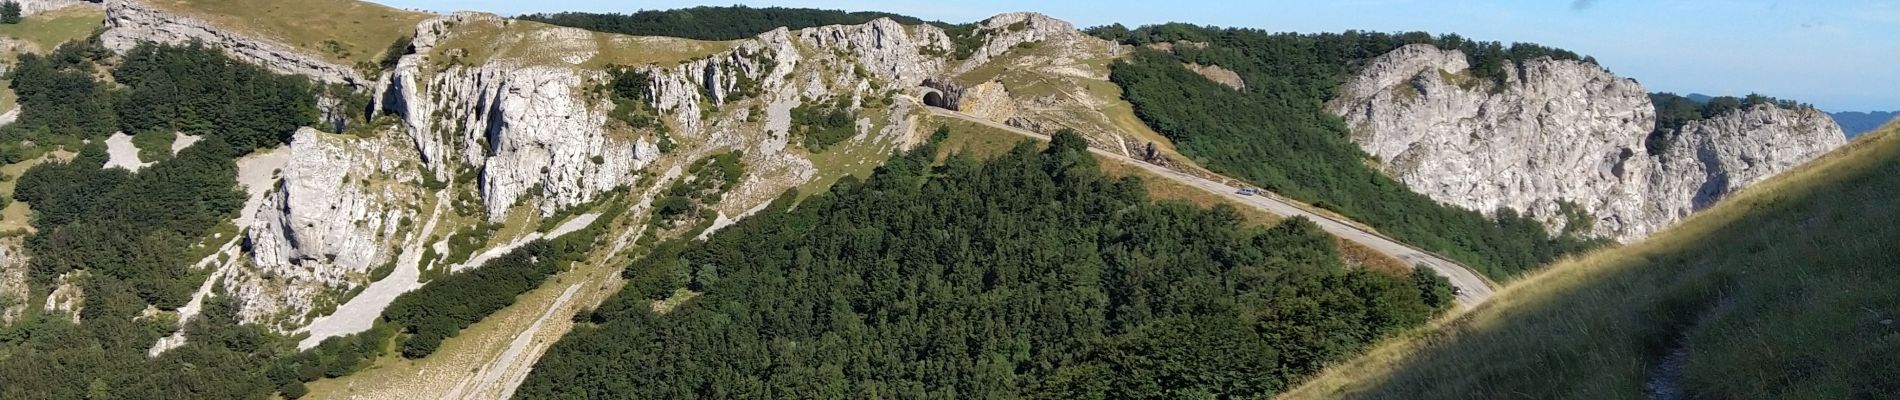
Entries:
{"x":1790,"y":289}
{"x":345,"y":31}
{"x":535,"y":43}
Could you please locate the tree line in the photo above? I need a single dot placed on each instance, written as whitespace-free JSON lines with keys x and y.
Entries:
{"x":712,"y":23}
{"x":1277,"y":134}
{"x":1028,"y":275}
{"x":1486,"y":59}
{"x":1673,"y":112}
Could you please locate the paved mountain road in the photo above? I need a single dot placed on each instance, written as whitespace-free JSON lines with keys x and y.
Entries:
{"x":1472,"y":288}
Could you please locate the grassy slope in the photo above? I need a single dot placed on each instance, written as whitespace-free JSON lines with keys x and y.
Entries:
{"x":1786,"y":290}
{"x":543,"y":44}
{"x":344,"y":31}
{"x":1016,"y":71}
{"x":44,"y":32}
{"x":48,"y":30}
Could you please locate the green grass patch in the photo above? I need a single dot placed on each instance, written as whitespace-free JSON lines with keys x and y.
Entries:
{"x":48,"y":30}
{"x":154,"y":145}
{"x":973,"y":139}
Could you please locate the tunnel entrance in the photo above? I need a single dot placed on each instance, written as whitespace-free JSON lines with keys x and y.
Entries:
{"x":934,"y":99}
{"x":942,"y":94}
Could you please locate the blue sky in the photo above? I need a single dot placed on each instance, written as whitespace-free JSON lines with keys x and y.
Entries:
{"x":1841,"y":55}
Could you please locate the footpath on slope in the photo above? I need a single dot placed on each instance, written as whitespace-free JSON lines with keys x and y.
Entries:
{"x":1472,"y":288}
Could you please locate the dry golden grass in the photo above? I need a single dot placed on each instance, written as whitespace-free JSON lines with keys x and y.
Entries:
{"x":347,"y":32}
{"x":1365,"y":257}
{"x":535,"y":43}
{"x":1785,"y":290}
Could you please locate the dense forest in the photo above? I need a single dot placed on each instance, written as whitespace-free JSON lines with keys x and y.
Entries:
{"x":135,"y":228}
{"x":1028,"y":275}
{"x":1673,"y":112}
{"x":129,"y":232}
{"x":1277,"y":135}
{"x":712,"y":23}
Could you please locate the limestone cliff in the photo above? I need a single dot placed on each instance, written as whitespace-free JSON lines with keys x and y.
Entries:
{"x":1717,"y":156}
{"x":536,"y":128}
{"x":1560,"y":133}
{"x":330,"y":220}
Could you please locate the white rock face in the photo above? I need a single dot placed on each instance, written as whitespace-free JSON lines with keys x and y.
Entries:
{"x":129,"y":22}
{"x":536,"y":135}
{"x":329,"y":222}
{"x":68,"y":297}
{"x":14,"y":292}
{"x":1009,"y":31}
{"x":1721,"y":155}
{"x":524,"y":126}
{"x":1559,"y":131}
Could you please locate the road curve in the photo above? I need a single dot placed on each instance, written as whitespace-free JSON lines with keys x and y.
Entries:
{"x":1472,"y":289}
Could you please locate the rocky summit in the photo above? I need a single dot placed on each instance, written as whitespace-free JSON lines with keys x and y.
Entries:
{"x":276,"y":199}
{"x":1558,"y":135}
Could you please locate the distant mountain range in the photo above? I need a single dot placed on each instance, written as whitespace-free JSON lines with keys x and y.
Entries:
{"x":1853,"y":123}
{"x":1858,"y":122}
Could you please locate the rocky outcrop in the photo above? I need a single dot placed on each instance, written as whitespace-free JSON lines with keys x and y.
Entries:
{"x":1011,"y":31}
{"x":1714,"y":157}
{"x":14,"y":293}
{"x":1041,"y":74}
{"x":1223,"y":76}
{"x":536,"y":134}
{"x":129,"y":22}
{"x":68,"y":297}
{"x":1559,"y":133}
{"x":329,"y":222}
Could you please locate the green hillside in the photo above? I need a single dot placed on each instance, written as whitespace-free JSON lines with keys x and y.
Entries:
{"x":1031,"y":274}
{"x":1783,"y":291}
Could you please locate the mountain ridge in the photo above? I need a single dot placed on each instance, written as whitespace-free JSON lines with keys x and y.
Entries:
{"x":1856,"y":123}
{"x":1528,"y":145}
{"x":462,"y":136}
